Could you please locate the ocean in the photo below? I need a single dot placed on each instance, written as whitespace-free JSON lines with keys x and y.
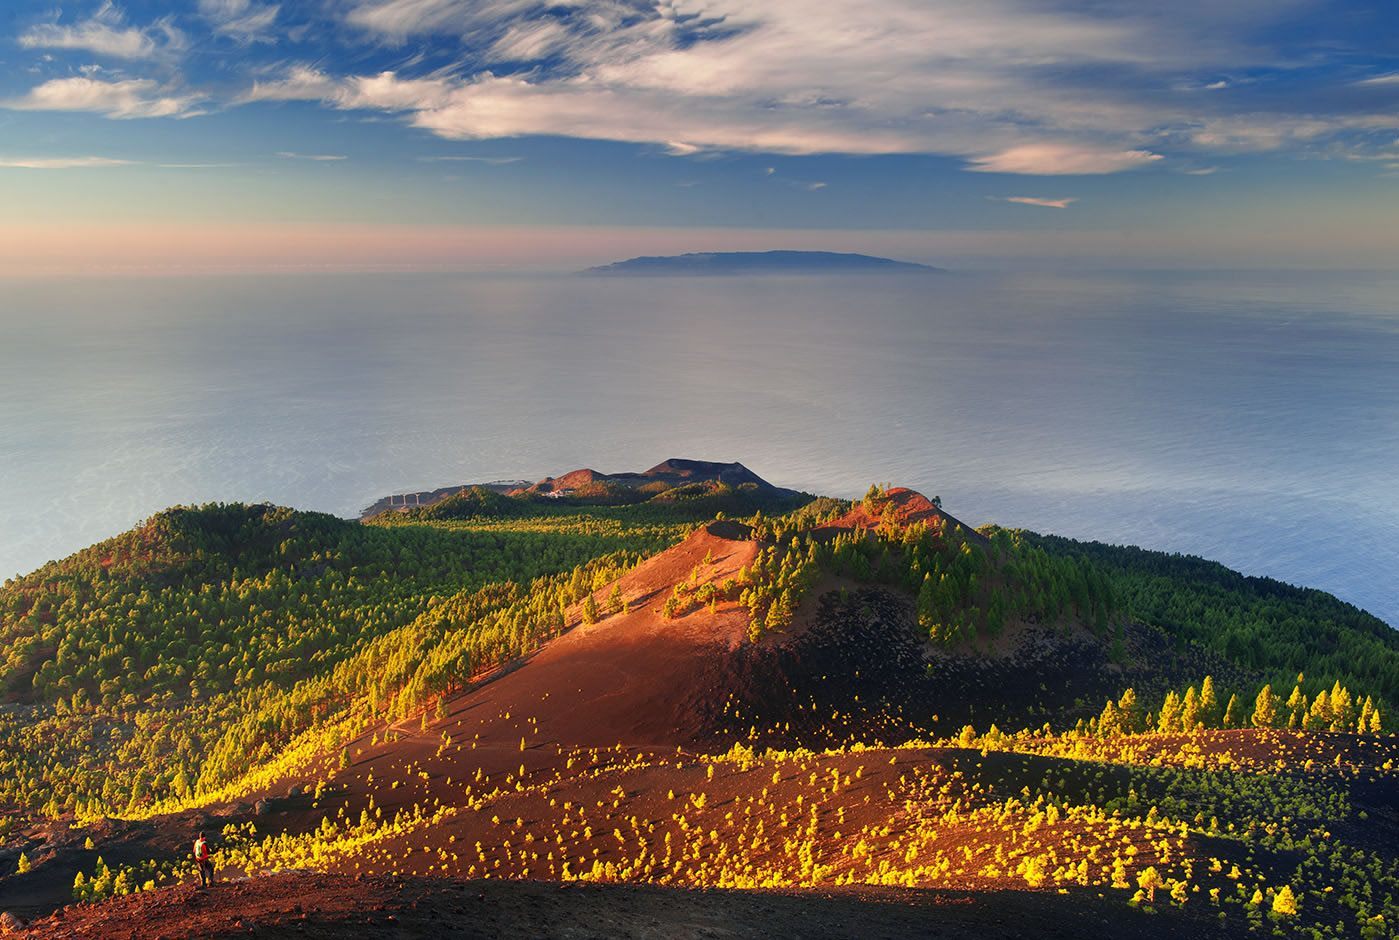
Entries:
{"x":1251,"y":418}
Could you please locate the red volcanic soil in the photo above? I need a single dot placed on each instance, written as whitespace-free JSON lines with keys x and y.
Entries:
{"x":569,"y":481}
{"x":306,"y":905}
{"x":584,"y":756}
{"x":630,"y":684}
{"x":631,"y":677}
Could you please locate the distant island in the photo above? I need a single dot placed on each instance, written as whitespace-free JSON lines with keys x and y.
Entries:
{"x":759,"y":262}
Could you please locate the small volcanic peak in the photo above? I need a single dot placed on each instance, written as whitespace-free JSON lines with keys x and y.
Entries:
{"x":676,"y":471}
{"x":572,"y":480}
{"x":905,"y":506}
{"x":680,"y":469}
{"x":912,"y":506}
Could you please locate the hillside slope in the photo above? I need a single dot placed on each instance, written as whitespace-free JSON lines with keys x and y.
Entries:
{"x":852,"y":694}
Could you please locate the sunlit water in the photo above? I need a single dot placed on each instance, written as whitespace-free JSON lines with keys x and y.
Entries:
{"x":1249,"y":418}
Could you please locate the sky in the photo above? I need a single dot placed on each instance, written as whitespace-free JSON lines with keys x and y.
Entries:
{"x":430,"y":134}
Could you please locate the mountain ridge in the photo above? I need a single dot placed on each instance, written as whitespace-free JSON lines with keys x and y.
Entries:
{"x":586,"y":483}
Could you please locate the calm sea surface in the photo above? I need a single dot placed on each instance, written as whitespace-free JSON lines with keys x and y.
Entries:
{"x":1251,"y":418}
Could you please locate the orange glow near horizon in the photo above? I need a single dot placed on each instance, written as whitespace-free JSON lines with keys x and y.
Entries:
{"x":184,"y":248}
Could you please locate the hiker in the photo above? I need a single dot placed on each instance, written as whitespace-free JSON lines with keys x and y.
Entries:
{"x":204,"y":860}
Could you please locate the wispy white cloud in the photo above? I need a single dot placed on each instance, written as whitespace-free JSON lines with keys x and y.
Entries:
{"x":382,"y":92}
{"x":317,"y":157}
{"x":1262,"y":132}
{"x":1061,"y":159}
{"x":492,"y":161}
{"x":60,"y":163}
{"x":106,"y":33}
{"x":529,"y":42}
{"x":129,"y":98}
{"x":1040,"y":201}
{"x":299,"y":83}
{"x":387,"y":92}
{"x":786,"y":76}
{"x":400,"y":19}
{"x":1390,"y":79}
{"x":680,"y":148}
{"x":244,"y":21}
{"x":1010,"y":86}
{"x":508,"y":106}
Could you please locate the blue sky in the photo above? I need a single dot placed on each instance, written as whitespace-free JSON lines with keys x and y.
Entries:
{"x":434,"y":132}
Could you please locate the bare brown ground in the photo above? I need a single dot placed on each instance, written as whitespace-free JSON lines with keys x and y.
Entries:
{"x":627,"y":678}
{"x":332,"y":906}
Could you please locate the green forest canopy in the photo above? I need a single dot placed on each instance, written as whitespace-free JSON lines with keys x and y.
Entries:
{"x":149,"y":667}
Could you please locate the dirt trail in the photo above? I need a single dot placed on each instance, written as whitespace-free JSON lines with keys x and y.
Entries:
{"x":629,"y":678}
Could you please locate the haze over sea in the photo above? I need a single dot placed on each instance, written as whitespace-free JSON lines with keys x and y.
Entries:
{"x":1251,"y":418}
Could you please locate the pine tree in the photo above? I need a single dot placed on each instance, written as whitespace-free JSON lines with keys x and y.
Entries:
{"x":1129,"y":712}
{"x":1265,"y":708}
{"x":590,"y":611}
{"x":1318,"y":717}
{"x":1209,"y":702}
{"x":1231,"y":712}
{"x":23,"y":866}
{"x":1342,"y":708}
{"x":1110,"y":721}
{"x":1296,"y":707}
{"x":1190,"y":710}
{"x":927,"y":613}
{"x":1169,"y":719}
{"x":755,"y":627}
{"x":873,"y":495}
{"x":1149,"y":880}
{"x":1285,"y":902}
